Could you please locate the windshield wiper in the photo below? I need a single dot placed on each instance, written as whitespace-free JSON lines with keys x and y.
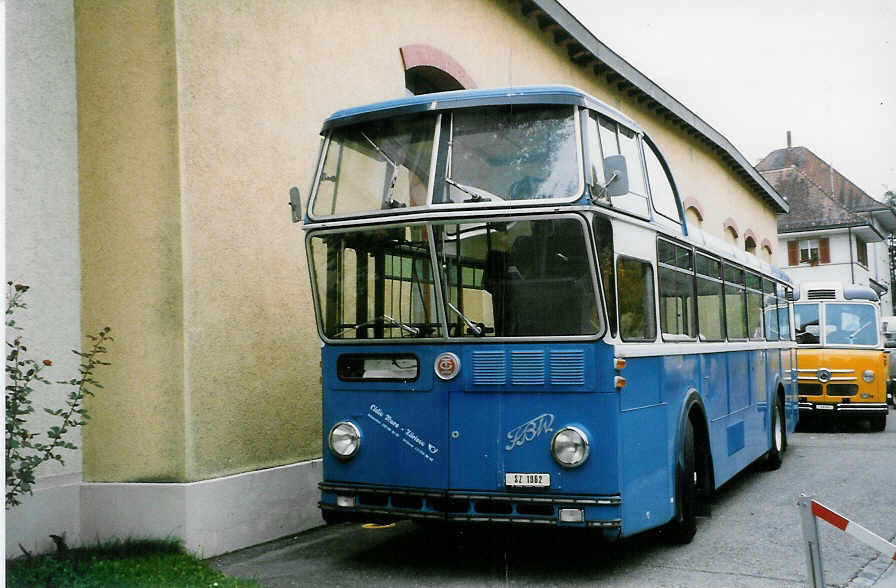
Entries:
{"x":478,"y":329}
{"x":380,"y":151}
{"x":476,"y":194}
{"x":384,"y":318}
{"x":388,"y":201}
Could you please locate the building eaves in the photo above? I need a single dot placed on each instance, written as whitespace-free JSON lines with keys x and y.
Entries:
{"x":588,"y":51}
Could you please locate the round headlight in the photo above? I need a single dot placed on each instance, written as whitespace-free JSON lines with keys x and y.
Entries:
{"x":570,"y":447}
{"x":868,"y":376}
{"x":344,"y":440}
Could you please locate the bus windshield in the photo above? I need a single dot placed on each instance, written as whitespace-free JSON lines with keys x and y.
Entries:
{"x":842,"y":324}
{"x":519,"y":153}
{"x":513,"y":278}
{"x":486,"y":154}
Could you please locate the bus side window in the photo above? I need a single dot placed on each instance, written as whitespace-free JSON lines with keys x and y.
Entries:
{"x":710,"y":310}
{"x":603,"y":238}
{"x":637,"y":321}
{"x":784,"y":297}
{"x":661,"y":192}
{"x":595,"y":154}
{"x":618,"y":140}
{"x":675,"y":266}
{"x":735,"y":304}
{"x":772,"y":330}
{"x":754,"y":306}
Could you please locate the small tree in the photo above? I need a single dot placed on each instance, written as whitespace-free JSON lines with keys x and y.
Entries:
{"x":25,"y":451}
{"x":890,"y":200}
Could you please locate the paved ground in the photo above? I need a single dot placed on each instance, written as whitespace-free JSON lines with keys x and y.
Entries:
{"x":753,"y":537}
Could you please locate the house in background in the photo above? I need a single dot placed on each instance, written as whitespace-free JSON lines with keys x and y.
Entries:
{"x":834,"y":230}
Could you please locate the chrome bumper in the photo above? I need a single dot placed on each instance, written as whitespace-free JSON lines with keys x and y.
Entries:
{"x":854,"y":407}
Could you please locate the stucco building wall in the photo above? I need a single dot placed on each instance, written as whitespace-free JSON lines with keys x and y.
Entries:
{"x":42,"y":241}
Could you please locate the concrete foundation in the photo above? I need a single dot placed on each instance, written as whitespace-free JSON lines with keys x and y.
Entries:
{"x":211,"y":517}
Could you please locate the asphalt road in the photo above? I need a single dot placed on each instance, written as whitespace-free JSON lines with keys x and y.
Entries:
{"x":752,"y":538}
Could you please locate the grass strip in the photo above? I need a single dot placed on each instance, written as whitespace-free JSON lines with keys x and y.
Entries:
{"x":129,"y":562}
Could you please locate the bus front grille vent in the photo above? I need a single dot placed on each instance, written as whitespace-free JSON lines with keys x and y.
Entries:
{"x":821,"y":294}
{"x":489,"y":368}
{"x":568,"y":367}
{"x":527,"y":367}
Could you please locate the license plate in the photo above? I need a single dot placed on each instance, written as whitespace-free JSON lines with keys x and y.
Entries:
{"x":527,"y":480}
{"x":824,"y":407}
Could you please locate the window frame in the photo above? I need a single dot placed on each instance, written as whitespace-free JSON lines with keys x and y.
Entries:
{"x":742,"y":287}
{"x":651,"y":304}
{"x":664,"y":166}
{"x":690,"y":272}
{"x":718,"y":280}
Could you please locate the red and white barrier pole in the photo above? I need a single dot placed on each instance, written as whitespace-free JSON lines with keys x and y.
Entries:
{"x":811,"y":511}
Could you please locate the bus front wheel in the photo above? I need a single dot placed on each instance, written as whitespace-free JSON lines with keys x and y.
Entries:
{"x":683,"y":527}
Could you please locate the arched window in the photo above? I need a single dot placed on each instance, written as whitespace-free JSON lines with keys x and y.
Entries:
{"x":427,"y":69}
{"x":693,"y":212}
{"x":730,"y":229}
{"x":750,"y":241}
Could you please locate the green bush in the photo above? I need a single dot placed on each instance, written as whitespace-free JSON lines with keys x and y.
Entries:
{"x":25,"y":450}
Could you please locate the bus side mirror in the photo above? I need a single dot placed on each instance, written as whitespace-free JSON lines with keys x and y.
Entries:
{"x":295,"y":203}
{"x":616,"y":175}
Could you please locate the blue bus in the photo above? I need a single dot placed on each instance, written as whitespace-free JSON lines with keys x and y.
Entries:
{"x":517,"y":325}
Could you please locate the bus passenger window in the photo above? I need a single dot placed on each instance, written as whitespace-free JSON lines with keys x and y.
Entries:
{"x":754,"y":307}
{"x":735,"y":305}
{"x":783,"y":313}
{"x":637,"y":321}
{"x":772,"y":330}
{"x":710,"y":311}
{"x":676,"y":280}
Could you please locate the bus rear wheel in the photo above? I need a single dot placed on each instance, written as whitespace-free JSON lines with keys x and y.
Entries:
{"x":775,"y":454}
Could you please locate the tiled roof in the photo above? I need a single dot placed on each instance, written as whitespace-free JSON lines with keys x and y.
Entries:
{"x":806,"y":181}
{"x":810,"y":206}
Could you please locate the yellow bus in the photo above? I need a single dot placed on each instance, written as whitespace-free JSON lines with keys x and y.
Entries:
{"x":841,"y":363}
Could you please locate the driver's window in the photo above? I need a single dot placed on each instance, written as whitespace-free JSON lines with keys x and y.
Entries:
{"x":619,"y":140}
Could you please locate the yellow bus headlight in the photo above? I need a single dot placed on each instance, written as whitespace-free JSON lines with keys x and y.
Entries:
{"x":868,"y":376}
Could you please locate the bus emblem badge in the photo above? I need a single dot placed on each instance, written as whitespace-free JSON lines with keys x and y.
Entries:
{"x":824,"y":375}
{"x":447,"y":366}
{"x":530,"y":430}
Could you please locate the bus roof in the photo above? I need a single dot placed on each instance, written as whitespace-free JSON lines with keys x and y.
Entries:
{"x":470,"y":98}
{"x":832,"y":290}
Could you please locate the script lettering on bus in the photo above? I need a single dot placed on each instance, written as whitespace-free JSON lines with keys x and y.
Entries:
{"x":530,"y":430}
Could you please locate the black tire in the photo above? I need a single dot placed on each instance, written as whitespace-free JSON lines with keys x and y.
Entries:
{"x":775,"y":454}
{"x":878,"y":422}
{"x":683,"y":527}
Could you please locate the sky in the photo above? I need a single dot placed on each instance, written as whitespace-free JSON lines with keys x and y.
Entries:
{"x":824,"y":70}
